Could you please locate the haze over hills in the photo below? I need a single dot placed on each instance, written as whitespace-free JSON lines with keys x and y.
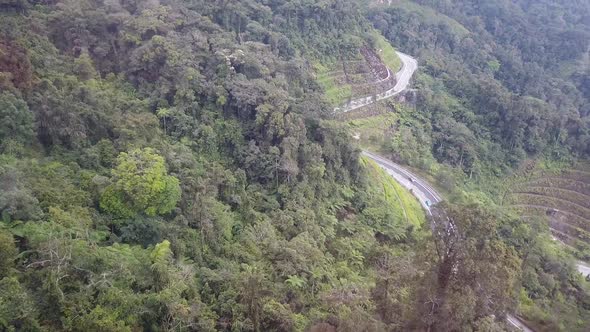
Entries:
{"x":196,"y":165}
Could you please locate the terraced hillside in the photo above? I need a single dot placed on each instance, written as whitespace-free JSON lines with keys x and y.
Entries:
{"x":372,"y":72}
{"x":563,"y":197}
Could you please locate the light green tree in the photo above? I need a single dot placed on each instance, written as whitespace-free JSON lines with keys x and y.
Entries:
{"x":295,"y":282}
{"x":161,"y":256}
{"x":140,"y":184}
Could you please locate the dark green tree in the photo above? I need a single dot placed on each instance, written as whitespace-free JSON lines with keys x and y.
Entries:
{"x":16,"y":121}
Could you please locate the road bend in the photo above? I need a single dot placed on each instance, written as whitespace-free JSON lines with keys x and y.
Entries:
{"x":403,"y":77}
{"x":420,"y":188}
{"x":428,"y":196}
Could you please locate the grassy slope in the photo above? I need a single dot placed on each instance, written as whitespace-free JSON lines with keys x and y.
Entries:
{"x":375,"y":131}
{"x":371,"y":130}
{"x":335,"y":94}
{"x":399,"y":199}
{"x":387,"y":53}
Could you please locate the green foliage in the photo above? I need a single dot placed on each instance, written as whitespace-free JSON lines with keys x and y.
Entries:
{"x":101,"y":319}
{"x":295,"y":282}
{"x":223,"y":95}
{"x":130,"y":110}
{"x":17,"y":309}
{"x":335,"y":93}
{"x":494,"y":65}
{"x":8,"y":254}
{"x":140,"y":184}
{"x":16,"y":200}
{"x":387,"y":53}
{"x":426,"y":13}
{"x":55,"y":184}
{"x":468,"y":248}
{"x":391,"y":197}
{"x":485,"y":92}
{"x":16,"y":121}
{"x":551,"y":286}
{"x":161,"y":253}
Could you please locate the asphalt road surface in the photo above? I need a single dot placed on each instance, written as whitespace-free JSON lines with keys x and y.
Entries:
{"x":518,"y":323}
{"x":417,"y":186}
{"x":583,"y":269}
{"x":428,"y":196}
{"x":403,"y":77}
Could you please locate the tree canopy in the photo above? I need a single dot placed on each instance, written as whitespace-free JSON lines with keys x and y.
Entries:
{"x":172,"y":165}
{"x":140,"y":184}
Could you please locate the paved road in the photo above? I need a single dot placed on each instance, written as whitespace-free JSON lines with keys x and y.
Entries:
{"x":583,"y":269}
{"x":403,"y":77}
{"x":406,"y":73}
{"x":424,"y":192}
{"x":517,"y":323}
{"x":420,"y":188}
{"x":417,"y":186}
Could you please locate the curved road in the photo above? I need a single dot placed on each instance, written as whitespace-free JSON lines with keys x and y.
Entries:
{"x":583,"y":269}
{"x":427,"y":197}
{"x":403,"y":77}
{"x":420,"y":188}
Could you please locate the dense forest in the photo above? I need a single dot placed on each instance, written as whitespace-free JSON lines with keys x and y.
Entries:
{"x":174,"y":165}
{"x":502,"y":81}
{"x":503,"y":85}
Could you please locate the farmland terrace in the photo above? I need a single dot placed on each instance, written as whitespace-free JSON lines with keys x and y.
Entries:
{"x":563,"y":197}
{"x":365,"y":76}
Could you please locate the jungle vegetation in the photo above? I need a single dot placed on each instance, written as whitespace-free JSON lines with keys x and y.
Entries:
{"x":173,"y":165}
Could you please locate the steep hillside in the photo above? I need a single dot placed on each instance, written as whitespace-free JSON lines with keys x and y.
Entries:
{"x":175,"y":165}
{"x":165,"y":165}
{"x":563,"y":197}
{"x":399,"y":200}
{"x":500,"y":84}
{"x":491,"y":87}
{"x":369,"y":73}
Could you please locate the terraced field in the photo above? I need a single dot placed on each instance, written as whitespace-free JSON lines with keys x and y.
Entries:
{"x":372,"y":73}
{"x":563,"y":197}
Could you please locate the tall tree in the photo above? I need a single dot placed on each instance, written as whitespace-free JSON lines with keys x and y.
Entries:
{"x":476,"y":272}
{"x":140,"y":184}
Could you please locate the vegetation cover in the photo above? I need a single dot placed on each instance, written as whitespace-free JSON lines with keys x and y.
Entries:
{"x":494,"y":89}
{"x":559,"y":195}
{"x":501,"y":95}
{"x":170,"y":165}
